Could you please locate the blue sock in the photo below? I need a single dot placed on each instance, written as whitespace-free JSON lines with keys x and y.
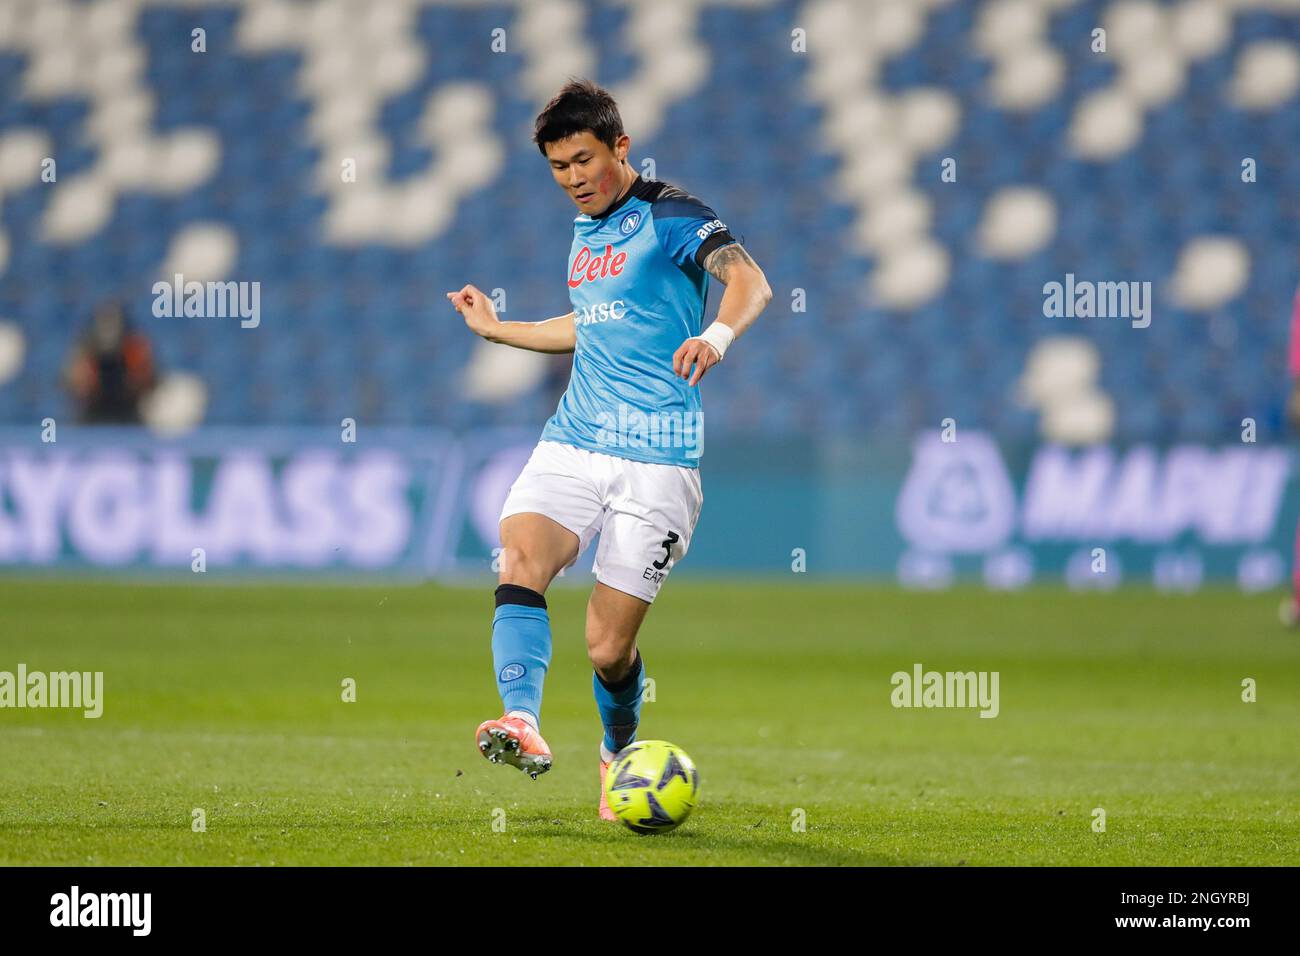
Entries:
{"x":521,"y":647}
{"x":620,"y":705}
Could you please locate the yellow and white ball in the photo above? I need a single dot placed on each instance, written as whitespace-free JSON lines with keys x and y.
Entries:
{"x":651,"y":786}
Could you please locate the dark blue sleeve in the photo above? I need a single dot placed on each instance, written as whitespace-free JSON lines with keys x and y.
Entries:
{"x":687,"y":229}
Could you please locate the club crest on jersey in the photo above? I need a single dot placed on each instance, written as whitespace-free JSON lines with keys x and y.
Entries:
{"x":589,"y":268}
{"x":630,"y":222}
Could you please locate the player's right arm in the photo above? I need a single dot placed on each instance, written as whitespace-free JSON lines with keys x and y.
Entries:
{"x":555,"y":335}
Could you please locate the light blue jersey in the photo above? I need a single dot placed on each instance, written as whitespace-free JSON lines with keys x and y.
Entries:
{"x":638,"y":287}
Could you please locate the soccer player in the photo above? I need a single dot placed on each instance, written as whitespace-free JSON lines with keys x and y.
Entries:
{"x":620,"y":456}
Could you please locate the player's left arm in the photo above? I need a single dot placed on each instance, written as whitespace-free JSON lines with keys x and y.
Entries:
{"x":747,"y":294}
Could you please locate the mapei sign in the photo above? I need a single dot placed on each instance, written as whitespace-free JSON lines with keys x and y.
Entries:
{"x":1222,"y":496}
{"x":961,"y":498}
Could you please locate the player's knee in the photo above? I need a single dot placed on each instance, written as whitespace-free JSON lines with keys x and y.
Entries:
{"x":610,"y":657}
{"x":526,"y":568}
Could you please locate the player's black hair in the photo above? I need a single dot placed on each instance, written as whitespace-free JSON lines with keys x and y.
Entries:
{"x":580,"y":105}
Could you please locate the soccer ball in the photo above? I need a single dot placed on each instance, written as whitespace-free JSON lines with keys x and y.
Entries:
{"x":651,"y":786}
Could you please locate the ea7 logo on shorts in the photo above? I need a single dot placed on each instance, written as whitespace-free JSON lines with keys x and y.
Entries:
{"x":512,"y":672}
{"x":709,"y":228}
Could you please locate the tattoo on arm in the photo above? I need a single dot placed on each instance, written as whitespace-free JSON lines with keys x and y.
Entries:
{"x":719,"y":262}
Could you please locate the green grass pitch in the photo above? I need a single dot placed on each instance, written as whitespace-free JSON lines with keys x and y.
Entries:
{"x":228,"y":699}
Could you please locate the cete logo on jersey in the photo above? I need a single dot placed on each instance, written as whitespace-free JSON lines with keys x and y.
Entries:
{"x":709,"y":228}
{"x":587,"y":268}
{"x":630,"y":222}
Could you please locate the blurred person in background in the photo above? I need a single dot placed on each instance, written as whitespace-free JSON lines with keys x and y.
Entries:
{"x":111,"y":369}
{"x":1289,"y":612}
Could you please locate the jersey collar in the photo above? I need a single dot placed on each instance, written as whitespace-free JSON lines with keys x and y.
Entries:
{"x":637,"y":190}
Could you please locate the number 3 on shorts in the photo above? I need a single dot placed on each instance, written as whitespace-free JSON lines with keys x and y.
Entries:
{"x":669,"y":541}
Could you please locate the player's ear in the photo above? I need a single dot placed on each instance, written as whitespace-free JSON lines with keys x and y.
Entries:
{"x":621,"y":147}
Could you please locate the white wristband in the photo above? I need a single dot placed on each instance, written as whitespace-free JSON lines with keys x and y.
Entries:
{"x":720,"y":337}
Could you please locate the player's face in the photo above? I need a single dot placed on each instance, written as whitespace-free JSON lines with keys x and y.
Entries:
{"x":587,"y":170}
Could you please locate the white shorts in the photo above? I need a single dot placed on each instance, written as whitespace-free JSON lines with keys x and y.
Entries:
{"x":645,"y":513}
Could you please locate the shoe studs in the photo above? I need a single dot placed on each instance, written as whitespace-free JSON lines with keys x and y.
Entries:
{"x":499,"y":746}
